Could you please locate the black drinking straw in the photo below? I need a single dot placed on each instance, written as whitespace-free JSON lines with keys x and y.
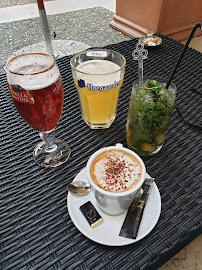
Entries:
{"x":199,"y":24}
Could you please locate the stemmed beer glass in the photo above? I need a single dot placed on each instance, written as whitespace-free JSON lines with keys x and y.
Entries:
{"x":36,"y":88}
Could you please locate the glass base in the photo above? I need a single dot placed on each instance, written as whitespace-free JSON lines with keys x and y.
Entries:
{"x":54,"y":157}
{"x":98,"y":126}
{"x":148,"y":153}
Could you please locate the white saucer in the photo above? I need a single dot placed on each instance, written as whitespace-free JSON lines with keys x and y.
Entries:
{"x":107,"y":233}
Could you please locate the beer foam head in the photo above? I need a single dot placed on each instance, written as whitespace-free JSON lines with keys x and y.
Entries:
{"x":98,"y":72}
{"x":98,"y":67}
{"x":116,"y":171}
{"x":33,"y":65}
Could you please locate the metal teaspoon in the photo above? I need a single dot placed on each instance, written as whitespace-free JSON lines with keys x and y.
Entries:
{"x":79,"y":187}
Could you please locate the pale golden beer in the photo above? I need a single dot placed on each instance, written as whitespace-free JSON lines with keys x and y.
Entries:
{"x":98,"y":80}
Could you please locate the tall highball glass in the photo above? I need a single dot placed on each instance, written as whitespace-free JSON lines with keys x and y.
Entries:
{"x":98,"y":76}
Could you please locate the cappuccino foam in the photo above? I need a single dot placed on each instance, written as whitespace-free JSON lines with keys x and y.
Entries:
{"x":115,"y":171}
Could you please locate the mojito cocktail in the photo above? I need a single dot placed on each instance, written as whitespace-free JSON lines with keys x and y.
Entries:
{"x":149,"y":115}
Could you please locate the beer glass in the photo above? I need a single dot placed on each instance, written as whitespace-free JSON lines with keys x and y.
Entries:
{"x":36,"y":88}
{"x":98,"y":76}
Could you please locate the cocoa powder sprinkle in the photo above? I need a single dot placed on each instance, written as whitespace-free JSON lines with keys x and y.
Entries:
{"x":117,"y":173}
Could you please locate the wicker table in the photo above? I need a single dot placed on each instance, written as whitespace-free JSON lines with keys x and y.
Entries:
{"x":36,"y":230}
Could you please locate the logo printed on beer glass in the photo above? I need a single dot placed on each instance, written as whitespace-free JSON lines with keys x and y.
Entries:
{"x":81,"y":83}
{"x":58,"y":86}
{"x":21,"y":95}
{"x":91,"y":87}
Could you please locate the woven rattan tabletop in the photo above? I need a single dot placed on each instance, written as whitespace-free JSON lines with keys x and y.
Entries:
{"x":36,"y":229}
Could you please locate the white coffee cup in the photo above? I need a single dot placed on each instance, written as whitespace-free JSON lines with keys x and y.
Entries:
{"x":115,"y":203}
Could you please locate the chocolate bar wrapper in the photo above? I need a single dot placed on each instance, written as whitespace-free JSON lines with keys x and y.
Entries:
{"x":91,"y":214}
{"x":133,"y":217}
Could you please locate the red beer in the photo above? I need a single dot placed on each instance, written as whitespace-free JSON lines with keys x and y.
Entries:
{"x":40,"y":108}
{"x":36,"y":88}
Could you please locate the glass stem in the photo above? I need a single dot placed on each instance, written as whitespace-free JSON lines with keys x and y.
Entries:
{"x":49,"y":138}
